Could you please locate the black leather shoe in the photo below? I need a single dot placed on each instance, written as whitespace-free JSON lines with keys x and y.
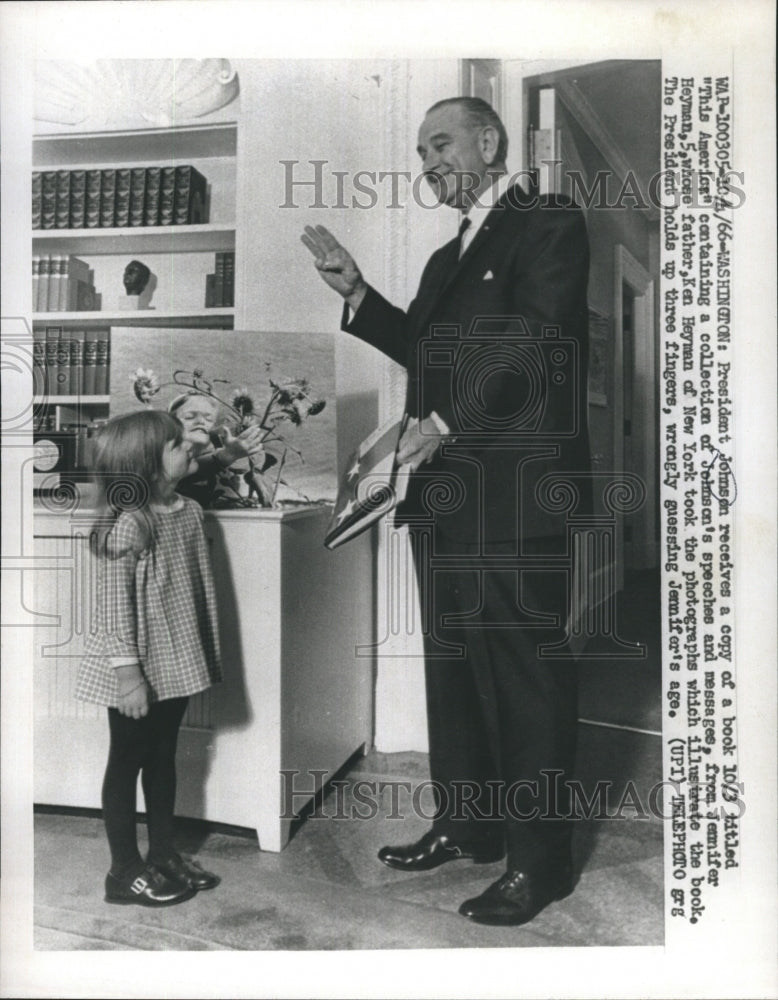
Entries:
{"x":188,"y":871}
{"x":516,"y":898}
{"x":433,"y":850}
{"x":150,"y":888}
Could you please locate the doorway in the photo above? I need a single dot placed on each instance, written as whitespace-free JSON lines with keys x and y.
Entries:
{"x":586,"y":138}
{"x":592,"y":132}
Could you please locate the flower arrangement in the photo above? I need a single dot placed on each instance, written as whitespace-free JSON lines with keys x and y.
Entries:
{"x":291,"y":401}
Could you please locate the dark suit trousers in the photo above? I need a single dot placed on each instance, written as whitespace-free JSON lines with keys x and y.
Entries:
{"x":502,"y":717}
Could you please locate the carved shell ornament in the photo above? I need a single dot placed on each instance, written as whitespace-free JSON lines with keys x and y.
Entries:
{"x":111,"y":92}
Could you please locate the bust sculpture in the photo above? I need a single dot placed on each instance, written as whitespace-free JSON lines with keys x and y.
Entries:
{"x":136,"y":277}
{"x":139,"y":284}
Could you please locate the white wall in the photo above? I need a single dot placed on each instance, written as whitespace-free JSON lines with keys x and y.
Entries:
{"x":357,"y":115}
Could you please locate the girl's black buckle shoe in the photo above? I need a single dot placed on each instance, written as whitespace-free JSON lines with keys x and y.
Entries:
{"x":150,"y":888}
{"x":187,"y":870}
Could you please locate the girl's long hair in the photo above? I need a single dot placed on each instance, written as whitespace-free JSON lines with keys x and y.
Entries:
{"x":127,"y":470}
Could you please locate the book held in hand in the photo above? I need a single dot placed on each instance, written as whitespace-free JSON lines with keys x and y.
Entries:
{"x":372,"y":485}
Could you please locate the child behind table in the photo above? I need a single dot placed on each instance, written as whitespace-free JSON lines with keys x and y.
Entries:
{"x":154,"y":643}
{"x":215,"y":450}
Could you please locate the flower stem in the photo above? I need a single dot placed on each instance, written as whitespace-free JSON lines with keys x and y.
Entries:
{"x":281,"y":461}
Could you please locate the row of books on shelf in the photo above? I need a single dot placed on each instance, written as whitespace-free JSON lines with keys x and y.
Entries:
{"x":115,"y":197}
{"x":62,"y":283}
{"x":71,"y":362}
{"x":220,"y":286}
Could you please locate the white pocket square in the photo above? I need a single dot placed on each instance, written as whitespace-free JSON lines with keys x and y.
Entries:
{"x":488,"y":276}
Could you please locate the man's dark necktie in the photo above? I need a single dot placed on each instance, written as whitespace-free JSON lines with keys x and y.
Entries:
{"x":463,"y":227}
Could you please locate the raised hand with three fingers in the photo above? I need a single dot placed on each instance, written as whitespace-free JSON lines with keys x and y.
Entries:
{"x":335,"y":264}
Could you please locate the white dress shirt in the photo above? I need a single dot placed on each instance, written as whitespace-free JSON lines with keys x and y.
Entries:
{"x":479,"y":210}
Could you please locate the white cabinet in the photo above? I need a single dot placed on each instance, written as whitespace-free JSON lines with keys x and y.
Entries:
{"x":296,"y":696}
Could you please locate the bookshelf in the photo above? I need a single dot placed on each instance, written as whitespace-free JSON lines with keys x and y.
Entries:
{"x":127,"y":242}
{"x":217,"y":318}
{"x":179,"y":256}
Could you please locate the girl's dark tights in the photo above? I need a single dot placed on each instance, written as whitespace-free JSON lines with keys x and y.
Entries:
{"x":146,"y":746}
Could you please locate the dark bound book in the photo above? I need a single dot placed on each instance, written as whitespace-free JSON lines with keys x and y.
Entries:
{"x":229,"y":278}
{"x":38,"y":362}
{"x":81,"y":296}
{"x":52,"y":348}
{"x":92,"y":210}
{"x":73,"y":268}
{"x":122,"y":205}
{"x":210,"y":291}
{"x":37,"y":203}
{"x":102,"y":361}
{"x":49,"y":199}
{"x":62,"y":387}
{"x":191,"y":196}
{"x":372,"y":485}
{"x":167,"y":196}
{"x":108,"y":198}
{"x":78,"y":268}
{"x":77,"y":199}
{"x":62,"y":204}
{"x":151,"y":205}
{"x":90,"y":361}
{"x":137,"y":195}
{"x":76,"y":362}
{"x":218,"y":283}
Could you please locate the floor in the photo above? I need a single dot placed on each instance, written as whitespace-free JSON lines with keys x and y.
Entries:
{"x":327,"y":890}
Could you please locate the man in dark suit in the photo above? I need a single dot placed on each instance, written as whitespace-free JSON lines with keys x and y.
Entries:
{"x":495,"y":344}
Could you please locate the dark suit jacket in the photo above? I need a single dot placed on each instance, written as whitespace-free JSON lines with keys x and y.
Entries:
{"x":496,"y":344}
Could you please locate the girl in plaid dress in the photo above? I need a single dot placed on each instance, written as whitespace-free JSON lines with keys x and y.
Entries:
{"x":154,"y":642}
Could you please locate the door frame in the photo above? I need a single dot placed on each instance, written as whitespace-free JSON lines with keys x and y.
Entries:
{"x":629,"y":271}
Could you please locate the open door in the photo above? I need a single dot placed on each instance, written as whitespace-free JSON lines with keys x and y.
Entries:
{"x":586,"y":138}
{"x":592,"y":132}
